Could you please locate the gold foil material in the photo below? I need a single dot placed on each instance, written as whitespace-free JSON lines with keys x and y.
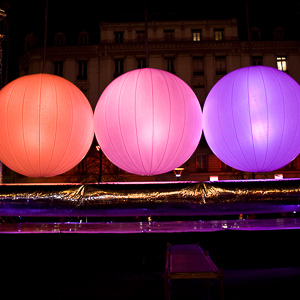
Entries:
{"x":252,"y":190}
{"x":165,"y":198}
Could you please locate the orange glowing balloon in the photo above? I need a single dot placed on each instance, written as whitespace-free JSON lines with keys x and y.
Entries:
{"x":46,"y":125}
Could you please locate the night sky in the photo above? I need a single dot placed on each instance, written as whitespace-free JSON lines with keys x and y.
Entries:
{"x":71,"y":17}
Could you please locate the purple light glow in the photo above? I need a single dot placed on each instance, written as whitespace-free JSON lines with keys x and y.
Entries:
{"x":148,"y":122}
{"x":251,"y":119}
{"x":151,"y":227}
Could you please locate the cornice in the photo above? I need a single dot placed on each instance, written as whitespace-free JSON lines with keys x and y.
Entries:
{"x":90,"y":50}
{"x":63,"y":51}
{"x":110,"y":49}
{"x":157,"y":47}
{"x":275,"y":46}
{"x":163,"y":24}
{"x":203,"y":47}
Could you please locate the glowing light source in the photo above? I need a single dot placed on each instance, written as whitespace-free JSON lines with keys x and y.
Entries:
{"x":178,"y":171}
{"x":148,"y":122}
{"x":46,"y":125}
{"x":251,"y":119}
{"x":213,"y":178}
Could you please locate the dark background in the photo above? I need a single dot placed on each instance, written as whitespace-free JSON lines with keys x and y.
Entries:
{"x":257,"y":265}
{"x":71,"y":17}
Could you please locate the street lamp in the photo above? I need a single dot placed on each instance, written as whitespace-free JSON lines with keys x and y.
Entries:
{"x":178,"y":172}
{"x":98,"y":148}
{"x":2,"y":14}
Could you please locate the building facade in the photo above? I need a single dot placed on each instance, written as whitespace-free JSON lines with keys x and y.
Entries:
{"x":199,"y":52}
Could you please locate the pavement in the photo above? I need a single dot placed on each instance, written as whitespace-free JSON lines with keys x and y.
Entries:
{"x":148,"y":227}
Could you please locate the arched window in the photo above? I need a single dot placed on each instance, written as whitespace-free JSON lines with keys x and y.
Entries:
{"x":83,"y":38}
{"x":278,"y":34}
{"x":59,"y":39}
{"x":255,"y":34}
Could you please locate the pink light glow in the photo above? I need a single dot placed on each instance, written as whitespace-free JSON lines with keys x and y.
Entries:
{"x":148,"y":122}
{"x":251,"y":119}
{"x":46,"y":125}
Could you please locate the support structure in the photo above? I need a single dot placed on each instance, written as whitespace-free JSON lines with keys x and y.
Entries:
{"x":190,"y":262}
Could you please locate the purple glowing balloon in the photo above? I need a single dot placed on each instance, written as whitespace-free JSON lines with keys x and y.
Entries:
{"x":148,"y":122}
{"x":251,"y":119}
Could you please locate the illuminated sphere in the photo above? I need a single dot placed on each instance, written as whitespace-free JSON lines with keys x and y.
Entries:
{"x":148,"y":121}
{"x":46,"y":125}
{"x":251,"y":119}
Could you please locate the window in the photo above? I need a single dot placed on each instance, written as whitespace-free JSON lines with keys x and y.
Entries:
{"x":282,"y":63}
{"x":119,"y":67}
{"x":82,"y":166}
{"x":141,"y":63}
{"x":83,"y":38}
{"x":82,"y":70}
{"x":26,"y":71}
{"x":224,"y":167}
{"x":257,"y":60}
{"x":30,"y":41}
{"x":59,"y":39}
{"x":84,"y":91}
{"x":221,"y":68}
{"x":279,"y":34}
{"x":140,"y":36}
{"x":219,"y":34}
{"x":200,"y":93}
{"x":201,"y":162}
{"x":198,"y":66}
{"x":196,"y":33}
{"x":169,"y":64}
{"x":119,"y":37}
{"x":58,"y":68}
{"x":169,"y":35}
{"x":291,"y":166}
{"x":255,"y":34}
{"x":116,"y":170}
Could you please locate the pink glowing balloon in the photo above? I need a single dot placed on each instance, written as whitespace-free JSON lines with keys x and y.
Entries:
{"x":148,"y":121}
{"x":46,"y":125}
{"x":251,"y":119}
